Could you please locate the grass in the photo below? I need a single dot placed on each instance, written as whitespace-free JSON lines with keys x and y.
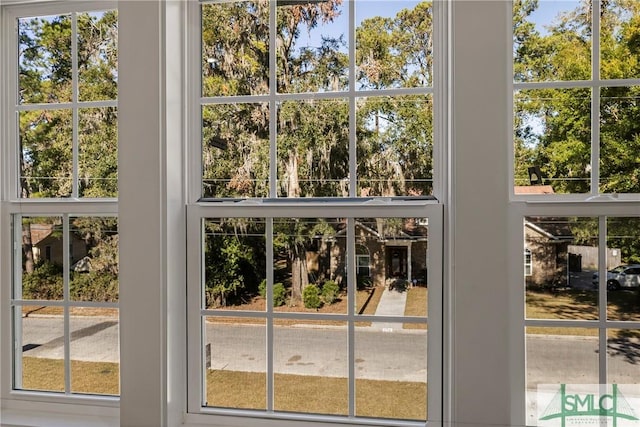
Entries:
{"x":576,"y":304}
{"x":319,"y":395}
{"x":86,"y":377}
{"x":416,"y":306}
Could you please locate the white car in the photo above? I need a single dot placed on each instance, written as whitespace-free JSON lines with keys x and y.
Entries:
{"x":623,"y":276}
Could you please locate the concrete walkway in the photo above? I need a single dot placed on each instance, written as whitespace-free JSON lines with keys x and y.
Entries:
{"x":391,"y":303}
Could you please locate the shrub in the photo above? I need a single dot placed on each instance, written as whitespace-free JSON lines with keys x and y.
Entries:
{"x":45,"y":283}
{"x":94,"y":286}
{"x":311,"y":297}
{"x":364,"y":282}
{"x":262,"y":288}
{"x":279,"y":294}
{"x":330,"y":292}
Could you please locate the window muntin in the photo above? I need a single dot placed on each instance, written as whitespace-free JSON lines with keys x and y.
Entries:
{"x":571,"y":306}
{"x":528,"y":262}
{"x":319,"y":139}
{"x":65,"y":309}
{"x":339,"y":318}
{"x":66,"y":100}
{"x":574,"y":78}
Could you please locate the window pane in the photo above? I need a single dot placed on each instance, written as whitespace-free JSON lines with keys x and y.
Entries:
{"x":623,"y":264}
{"x":619,"y":139}
{"x":98,"y":55}
{"x":310,"y":265}
{"x":42,"y":259}
{"x":553,"y":132}
{"x":41,"y":349}
{"x":46,"y":153}
{"x":559,"y":356}
{"x":313,"y":148}
{"x":93,"y":259}
{"x":623,"y":353}
{"x":235,"y":362}
{"x":391,"y":374}
{"x":44,"y":59}
{"x":395,"y":145}
{"x":95,"y":355}
{"x":235,"y":263}
{"x":313,"y":46}
{"x":564,"y":253}
{"x":98,"y":152}
{"x":311,"y":369}
{"x":619,"y":40}
{"x":235,"y":150}
{"x":397,"y":284}
{"x":552,"y":40}
{"x":235,"y":48}
{"x":394,"y":44}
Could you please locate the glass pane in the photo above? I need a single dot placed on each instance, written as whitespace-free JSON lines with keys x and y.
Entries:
{"x":235,"y":48}
{"x":397,"y":281}
{"x":564,"y":262}
{"x":395,"y":145}
{"x":310,"y":265}
{"x":93,"y":259}
{"x":619,"y":140}
{"x":235,"y":263}
{"x":623,"y":265}
{"x":98,"y":55}
{"x":313,"y":148}
{"x":553,"y":132}
{"x":98,"y":152}
{"x":391,"y":374}
{"x":235,"y":150}
{"x":312,"y":43}
{"x":46,"y":153}
{"x":44,"y":59}
{"x":394,"y":44}
{"x":623,"y":355}
{"x":42,"y":259}
{"x":559,"y":356}
{"x":619,"y":46}
{"x":95,"y":354}
{"x":42,"y":349}
{"x":552,"y":40}
{"x":236,"y":362}
{"x":311,"y":369}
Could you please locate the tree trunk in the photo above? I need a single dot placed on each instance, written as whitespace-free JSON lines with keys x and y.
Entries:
{"x":299,"y":273}
{"x":27,"y":248}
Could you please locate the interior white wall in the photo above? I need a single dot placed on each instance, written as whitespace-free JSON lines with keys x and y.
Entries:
{"x":480,"y":54}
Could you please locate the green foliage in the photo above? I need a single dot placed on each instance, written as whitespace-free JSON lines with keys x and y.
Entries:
{"x":45,"y":283}
{"x":311,"y":297}
{"x":262,"y":288}
{"x":94,"y":286}
{"x":279,"y":295}
{"x":330,"y":292}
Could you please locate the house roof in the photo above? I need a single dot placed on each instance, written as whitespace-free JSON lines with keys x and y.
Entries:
{"x":39,"y":232}
{"x":556,"y":229}
{"x":533,"y":189}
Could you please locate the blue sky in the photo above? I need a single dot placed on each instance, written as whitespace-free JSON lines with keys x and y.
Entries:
{"x":548,"y":10}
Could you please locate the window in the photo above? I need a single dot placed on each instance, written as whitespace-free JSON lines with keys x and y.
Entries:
{"x":312,"y":128}
{"x":575,"y":89}
{"x":60,"y":201}
{"x":528,"y":263}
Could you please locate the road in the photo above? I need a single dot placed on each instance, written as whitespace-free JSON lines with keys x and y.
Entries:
{"x":397,"y":355}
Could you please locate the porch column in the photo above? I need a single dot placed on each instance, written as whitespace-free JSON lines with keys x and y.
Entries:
{"x":409,"y":263}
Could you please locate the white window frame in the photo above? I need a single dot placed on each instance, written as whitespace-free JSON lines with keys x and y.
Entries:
{"x":351,"y":207}
{"x":528,"y":262}
{"x":16,"y":402}
{"x":590,"y":205}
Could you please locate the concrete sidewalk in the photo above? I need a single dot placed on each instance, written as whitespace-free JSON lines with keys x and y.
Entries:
{"x":391,"y":303}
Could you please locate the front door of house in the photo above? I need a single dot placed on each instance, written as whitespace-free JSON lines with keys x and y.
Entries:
{"x":397,"y":262}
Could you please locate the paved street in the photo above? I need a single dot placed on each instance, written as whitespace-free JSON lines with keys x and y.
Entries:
{"x":397,"y":355}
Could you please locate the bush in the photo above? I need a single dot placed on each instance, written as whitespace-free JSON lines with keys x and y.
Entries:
{"x":45,"y":283}
{"x":330,"y":292}
{"x":262,"y":288}
{"x":279,"y":294}
{"x":311,"y":297}
{"x":94,"y":286}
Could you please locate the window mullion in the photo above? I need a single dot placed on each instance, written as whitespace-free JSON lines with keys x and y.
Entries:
{"x":66,"y":297}
{"x":74,"y":94}
{"x":273,"y":105}
{"x":351,"y":296}
{"x":270,"y":333}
